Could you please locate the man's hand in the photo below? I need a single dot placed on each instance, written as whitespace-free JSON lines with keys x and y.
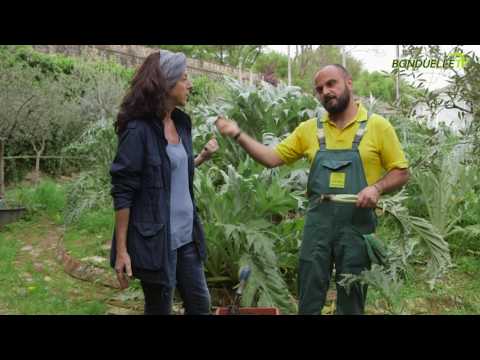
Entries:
{"x":261,"y":153}
{"x":368,"y":197}
{"x":123,"y":267}
{"x":227,"y":127}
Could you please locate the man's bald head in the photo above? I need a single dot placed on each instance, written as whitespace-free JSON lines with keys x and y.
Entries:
{"x":337,"y":67}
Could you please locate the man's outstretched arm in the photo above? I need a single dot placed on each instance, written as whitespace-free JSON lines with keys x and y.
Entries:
{"x":261,"y":153}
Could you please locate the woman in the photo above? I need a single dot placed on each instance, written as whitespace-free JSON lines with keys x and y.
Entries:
{"x":158,"y":236}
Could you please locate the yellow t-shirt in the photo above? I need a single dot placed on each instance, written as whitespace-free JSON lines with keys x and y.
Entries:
{"x":380,"y":149}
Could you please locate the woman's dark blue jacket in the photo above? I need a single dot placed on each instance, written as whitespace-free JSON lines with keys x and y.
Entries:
{"x":140,"y":177}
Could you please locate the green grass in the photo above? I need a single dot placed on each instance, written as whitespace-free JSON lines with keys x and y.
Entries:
{"x":90,"y":234}
{"x":85,"y":237}
{"x":461,"y":245}
{"x":9,"y":276}
{"x":48,"y":292}
{"x":46,"y":198}
{"x":458,"y":293}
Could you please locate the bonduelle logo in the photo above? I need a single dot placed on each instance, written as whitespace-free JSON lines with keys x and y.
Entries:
{"x":452,"y":60}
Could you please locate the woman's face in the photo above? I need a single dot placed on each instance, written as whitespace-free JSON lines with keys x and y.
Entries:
{"x":181,"y":90}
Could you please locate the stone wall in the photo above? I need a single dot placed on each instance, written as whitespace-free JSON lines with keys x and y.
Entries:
{"x":133,"y":55}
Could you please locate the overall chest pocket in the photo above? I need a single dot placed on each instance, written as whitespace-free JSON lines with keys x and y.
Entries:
{"x":154,"y":173}
{"x":337,"y":171}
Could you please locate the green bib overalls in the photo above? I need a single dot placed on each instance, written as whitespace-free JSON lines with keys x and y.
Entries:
{"x":333,"y":232}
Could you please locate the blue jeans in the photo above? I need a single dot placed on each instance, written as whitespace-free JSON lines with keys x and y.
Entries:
{"x":191,"y":284}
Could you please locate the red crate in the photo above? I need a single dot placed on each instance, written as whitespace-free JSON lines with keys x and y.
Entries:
{"x":249,"y":311}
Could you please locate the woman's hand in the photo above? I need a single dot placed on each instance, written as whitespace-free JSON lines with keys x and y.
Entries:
{"x":210,"y":148}
{"x":123,"y":267}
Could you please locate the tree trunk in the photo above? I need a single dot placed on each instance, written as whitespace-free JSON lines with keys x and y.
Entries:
{"x":289,"y":68}
{"x":305,"y":58}
{"x":303,"y":67}
{"x":36,"y":176}
{"x":397,"y":82}
{"x":37,"y":163}
{"x":2,"y":169}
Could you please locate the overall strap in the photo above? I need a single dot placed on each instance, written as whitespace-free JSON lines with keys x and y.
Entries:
{"x":320,"y":134}
{"x":356,"y":141}
{"x":359,"y":135}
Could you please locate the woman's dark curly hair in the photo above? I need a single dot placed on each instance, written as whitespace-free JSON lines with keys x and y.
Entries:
{"x":146,"y":96}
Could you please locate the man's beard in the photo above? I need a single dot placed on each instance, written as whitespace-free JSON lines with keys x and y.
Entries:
{"x":341,"y":103}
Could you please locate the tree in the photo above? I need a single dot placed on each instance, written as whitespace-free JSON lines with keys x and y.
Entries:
{"x":272,"y":62}
{"x":463,"y":91}
{"x":200,"y":52}
{"x":304,"y":58}
{"x":247,"y":55}
{"x":62,"y":108}
{"x":48,"y":115}
{"x":243,"y":56}
{"x":310,"y":60}
{"x":99,"y":90}
{"x":46,"y":101}
{"x":16,"y":97}
{"x":379,"y":85}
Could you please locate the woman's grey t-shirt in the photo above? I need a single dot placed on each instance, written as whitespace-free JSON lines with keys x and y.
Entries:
{"x":181,"y":207}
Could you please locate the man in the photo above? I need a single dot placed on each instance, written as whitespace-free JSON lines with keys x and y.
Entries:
{"x":349,"y":151}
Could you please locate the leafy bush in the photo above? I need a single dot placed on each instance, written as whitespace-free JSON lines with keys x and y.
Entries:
{"x":66,"y":93}
{"x":267,"y":113}
{"x":240,"y":230}
{"x":47,"y":198}
{"x":204,"y":91}
{"x":91,"y":189}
